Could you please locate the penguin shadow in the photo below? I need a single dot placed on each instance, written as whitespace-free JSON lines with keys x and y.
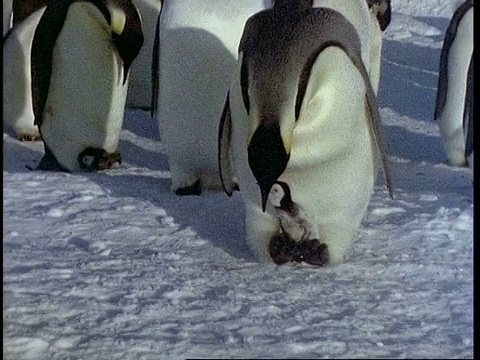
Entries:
{"x":139,"y":143}
{"x":20,"y":154}
{"x":212,"y":215}
{"x":409,"y":79}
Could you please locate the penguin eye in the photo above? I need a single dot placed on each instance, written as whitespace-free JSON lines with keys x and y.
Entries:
{"x":88,"y":160}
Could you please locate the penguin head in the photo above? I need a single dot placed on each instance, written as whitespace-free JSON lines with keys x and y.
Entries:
{"x":127,"y":31}
{"x":280,"y":196}
{"x":268,"y":156}
{"x":382,"y":9}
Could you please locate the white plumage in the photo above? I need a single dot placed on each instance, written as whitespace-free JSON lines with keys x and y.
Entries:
{"x":17,"y":90}
{"x":198,"y":47}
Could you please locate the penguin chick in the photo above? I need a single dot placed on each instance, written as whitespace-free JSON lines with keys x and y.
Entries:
{"x":96,"y":159}
{"x":293,"y":219}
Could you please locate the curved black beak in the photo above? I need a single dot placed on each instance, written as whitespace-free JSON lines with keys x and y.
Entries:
{"x":267,"y":157}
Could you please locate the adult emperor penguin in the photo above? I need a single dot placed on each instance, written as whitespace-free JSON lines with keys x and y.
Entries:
{"x":140,"y":86}
{"x":197,"y":50}
{"x":17,"y":90}
{"x":81,"y":55}
{"x":454,"y":102}
{"x":301,"y":110}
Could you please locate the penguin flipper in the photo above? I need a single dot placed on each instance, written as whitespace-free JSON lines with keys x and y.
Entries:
{"x":155,"y":70}
{"x":224,"y":149}
{"x":468,"y":112}
{"x":375,"y":124}
{"x":374,"y":118}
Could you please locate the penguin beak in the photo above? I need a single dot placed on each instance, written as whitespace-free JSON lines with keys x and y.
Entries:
{"x":267,"y":157}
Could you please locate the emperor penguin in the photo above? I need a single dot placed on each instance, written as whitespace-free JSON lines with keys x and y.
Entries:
{"x":17,"y":90}
{"x":139,"y":83}
{"x":301,"y":110}
{"x":454,"y":102}
{"x":80,"y":60}
{"x":196,"y":53}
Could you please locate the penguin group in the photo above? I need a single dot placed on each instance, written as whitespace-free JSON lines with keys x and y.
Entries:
{"x":275,"y":99}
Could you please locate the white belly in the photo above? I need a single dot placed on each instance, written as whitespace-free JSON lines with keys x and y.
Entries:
{"x":198,"y":50}
{"x":17,"y":90}
{"x":450,"y":121}
{"x":331,"y":171}
{"x":86,"y":99}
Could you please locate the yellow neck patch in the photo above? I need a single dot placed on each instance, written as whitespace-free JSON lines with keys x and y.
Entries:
{"x":118,"y":20}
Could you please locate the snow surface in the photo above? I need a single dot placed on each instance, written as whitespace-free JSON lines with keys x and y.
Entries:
{"x":113,"y":265}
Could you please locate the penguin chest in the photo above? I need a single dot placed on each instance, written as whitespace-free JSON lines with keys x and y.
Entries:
{"x":17,"y":101}
{"x":86,"y":97}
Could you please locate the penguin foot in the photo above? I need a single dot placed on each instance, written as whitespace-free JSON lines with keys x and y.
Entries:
{"x":97,"y":159}
{"x":194,"y":189}
{"x":283,"y":249}
{"x":312,"y":252}
{"x":25,"y":137}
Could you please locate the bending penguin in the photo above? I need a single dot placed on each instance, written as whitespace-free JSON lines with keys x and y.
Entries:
{"x":195,"y":55}
{"x":454,"y":102}
{"x":81,"y":55}
{"x":302,"y":110}
{"x":17,"y":90}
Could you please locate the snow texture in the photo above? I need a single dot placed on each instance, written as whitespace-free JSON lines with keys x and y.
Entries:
{"x":113,"y":265}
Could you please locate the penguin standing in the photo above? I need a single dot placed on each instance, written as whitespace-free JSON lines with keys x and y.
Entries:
{"x":81,"y":55}
{"x":454,"y":102}
{"x":197,"y":49}
{"x":17,"y":90}
{"x":301,"y":109}
{"x":139,"y":82}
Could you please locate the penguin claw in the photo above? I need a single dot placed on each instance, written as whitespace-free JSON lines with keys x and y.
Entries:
{"x":281,"y":248}
{"x":25,"y":137}
{"x":194,"y":189}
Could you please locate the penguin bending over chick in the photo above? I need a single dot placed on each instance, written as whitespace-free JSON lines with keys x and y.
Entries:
{"x":80,"y":60}
{"x":302,"y":110}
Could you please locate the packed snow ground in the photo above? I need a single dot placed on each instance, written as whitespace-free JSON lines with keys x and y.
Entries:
{"x":113,"y":265}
